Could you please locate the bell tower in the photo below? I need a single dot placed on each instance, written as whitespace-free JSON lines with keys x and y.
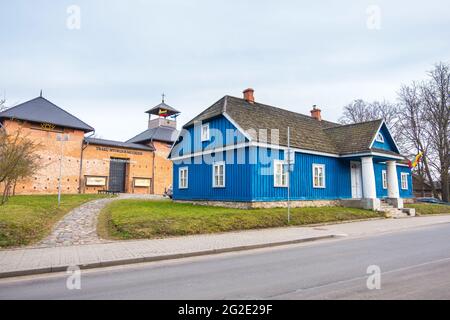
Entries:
{"x":162,"y":115}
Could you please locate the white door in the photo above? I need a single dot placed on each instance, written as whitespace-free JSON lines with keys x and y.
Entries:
{"x":355,"y":169}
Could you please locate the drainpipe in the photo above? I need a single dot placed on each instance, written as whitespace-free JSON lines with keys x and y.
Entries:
{"x":153,"y":172}
{"x":83,"y":146}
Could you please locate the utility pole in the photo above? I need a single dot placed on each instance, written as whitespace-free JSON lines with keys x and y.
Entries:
{"x":288,"y":173}
{"x":62,"y":138}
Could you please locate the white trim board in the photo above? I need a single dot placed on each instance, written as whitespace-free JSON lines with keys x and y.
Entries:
{"x":266,"y":145}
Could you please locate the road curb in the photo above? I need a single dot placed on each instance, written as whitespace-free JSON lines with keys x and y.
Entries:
{"x":112,"y":263}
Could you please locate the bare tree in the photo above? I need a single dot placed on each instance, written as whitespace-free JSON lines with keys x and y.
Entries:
{"x":435,"y":95}
{"x":18,"y":160}
{"x":360,"y":111}
{"x":2,"y":105}
{"x":413,"y":132}
{"x":356,"y":111}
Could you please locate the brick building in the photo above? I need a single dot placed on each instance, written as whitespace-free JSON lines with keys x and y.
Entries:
{"x":138,"y":165}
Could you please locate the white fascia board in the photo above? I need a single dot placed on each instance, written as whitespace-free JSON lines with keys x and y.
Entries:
{"x":370,"y":154}
{"x":266,"y":145}
{"x":375,"y":136}
{"x":319,"y":153}
{"x":238,"y":127}
{"x":389,"y":131}
{"x":253,"y":144}
{"x":173,"y":145}
{"x":209,"y":151}
{"x":398,"y":164}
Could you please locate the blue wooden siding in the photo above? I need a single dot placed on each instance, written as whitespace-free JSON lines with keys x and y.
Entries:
{"x":255,"y":181}
{"x":388,"y":143}
{"x":382,"y":193}
{"x":337,"y":179}
{"x":200,"y":181}
{"x":222,"y":133}
{"x":405,"y":193}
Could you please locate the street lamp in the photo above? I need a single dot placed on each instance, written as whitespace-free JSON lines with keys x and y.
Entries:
{"x":62,"y":138}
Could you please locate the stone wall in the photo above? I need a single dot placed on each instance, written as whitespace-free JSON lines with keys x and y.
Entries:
{"x":265,"y":204}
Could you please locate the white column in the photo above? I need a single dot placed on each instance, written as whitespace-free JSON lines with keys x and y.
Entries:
{"x":392,"y":180}
{"x":368,"y":178}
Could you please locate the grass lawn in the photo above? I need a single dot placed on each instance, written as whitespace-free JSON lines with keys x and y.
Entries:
{"x":429,"y":208}
{"x":140,"y":219}
{"x":27,"y":219}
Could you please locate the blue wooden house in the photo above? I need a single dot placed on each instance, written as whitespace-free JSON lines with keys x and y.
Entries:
{"x":237,"y":152}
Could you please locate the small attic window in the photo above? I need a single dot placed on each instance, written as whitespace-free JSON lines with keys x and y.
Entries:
{"x":379,"y":137}
{"x":205,"y":132}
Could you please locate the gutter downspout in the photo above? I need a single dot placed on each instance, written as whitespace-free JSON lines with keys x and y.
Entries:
{"x":83,"y":146}
{"x":153,"y":170}
{"x":153,"y":173}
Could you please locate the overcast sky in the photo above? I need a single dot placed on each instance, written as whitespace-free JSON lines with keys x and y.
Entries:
{"x":295,"y":54}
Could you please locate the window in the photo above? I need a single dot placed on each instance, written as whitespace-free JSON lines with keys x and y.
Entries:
{"x":219,"y":175}
{"x":205,"y":132}
{"x":318,"y":175}
{"x":183,"y":178}
{"x":280,"y":173}
{"x":380,"y":137}
{"x":384,"y":178}
{"x":404,"y":181}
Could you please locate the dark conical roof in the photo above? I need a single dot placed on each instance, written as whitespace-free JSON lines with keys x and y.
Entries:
{"x":43,"y":111}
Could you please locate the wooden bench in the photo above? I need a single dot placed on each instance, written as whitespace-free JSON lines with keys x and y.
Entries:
{"x":110,"y":192}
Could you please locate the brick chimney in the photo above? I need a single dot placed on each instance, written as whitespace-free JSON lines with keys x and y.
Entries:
{"x":316,"y":113}
{"x":248,"y":95}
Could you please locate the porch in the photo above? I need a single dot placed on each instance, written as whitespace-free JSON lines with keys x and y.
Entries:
{"x":364,"y":184}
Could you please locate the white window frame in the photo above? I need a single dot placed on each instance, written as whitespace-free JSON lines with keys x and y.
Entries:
{"x":186,"y":178}
{"x":384,"y":179}
{"x":322,"y":166}
{"x":278,"y":182}
{"x":205,"y":136}
{"x":214,"y":184}
{"x":379,"y":137}
{"x":404,"y":180}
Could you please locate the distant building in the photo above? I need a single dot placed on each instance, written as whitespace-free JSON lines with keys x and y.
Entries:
{"x":236,"y":153}
{"x":90,"y":164}
{"x":422,"y":188}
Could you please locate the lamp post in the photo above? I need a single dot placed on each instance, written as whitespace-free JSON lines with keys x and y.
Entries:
{"x":62,"y":138}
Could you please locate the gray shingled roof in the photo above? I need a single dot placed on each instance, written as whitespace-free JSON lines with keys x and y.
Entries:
{"x":162,"y":133}
{"x":355,"y":137}
{"x":306,"y":132}
{"x":43,"y":111}
{"x":111,"y":143}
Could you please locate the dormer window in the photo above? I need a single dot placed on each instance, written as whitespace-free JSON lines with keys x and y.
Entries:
{"x":379,"y":138}
{"x":205,"y":132}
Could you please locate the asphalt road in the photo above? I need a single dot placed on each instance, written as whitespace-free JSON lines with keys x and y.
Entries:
{"x":414,"y":264}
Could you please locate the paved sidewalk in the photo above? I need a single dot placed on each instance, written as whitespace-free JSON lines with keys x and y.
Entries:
{"x":79,"y":226}
{"x":43,"y":260}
